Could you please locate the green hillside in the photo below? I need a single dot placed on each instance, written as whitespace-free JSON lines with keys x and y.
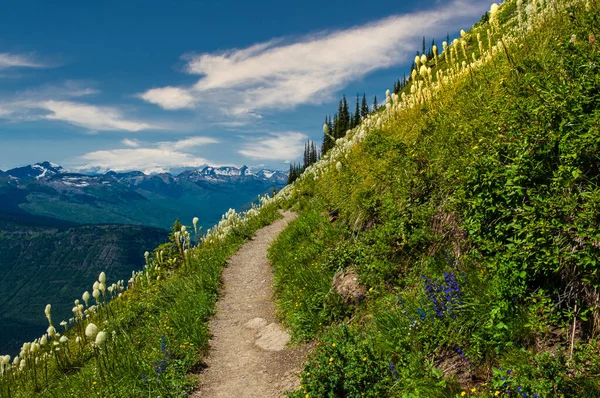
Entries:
{"x":469,"y":212}
{"x":447,"y":246}
{"x":48,"y":260}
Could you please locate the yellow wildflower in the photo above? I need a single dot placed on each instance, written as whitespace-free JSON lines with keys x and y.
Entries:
{"x":462,"y":394}
{"x":473,"y":389}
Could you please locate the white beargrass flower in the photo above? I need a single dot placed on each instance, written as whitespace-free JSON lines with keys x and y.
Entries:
{"x":146,"y":255}
{"x":423,"y":59}
{"x":35,"y":348}
{"x":102,"y":287}
{"x":63,"y":339}
{"x":91,"y":331}
{"x":51,"y":331}
{"x":102,"y":277}
{"x":78,"y":340}
{"x":96,"y":294}
{"x":44,"y":340}
{"x":183,"y":229}
{"x":47,"y":311}
{"x":417,"y":61}
{"x":338,"y":166}
{"x":86,"y":297}
{"x":95,"y":286}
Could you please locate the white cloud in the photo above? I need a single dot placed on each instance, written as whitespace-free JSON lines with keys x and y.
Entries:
{"x":8,"y":60}
{"x":93,"y":117}
{"x":279,"y":75}
{"x":55,"y":102}
{"x":130,"y":143}
{"x":169,"y":97}
{"x":149,"y":157}
{"x":275,"y":146}
{"x":188,"y":143}
{"x":147,"y":160}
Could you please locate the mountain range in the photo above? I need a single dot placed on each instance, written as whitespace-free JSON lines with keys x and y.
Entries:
{"x":157,"y":200}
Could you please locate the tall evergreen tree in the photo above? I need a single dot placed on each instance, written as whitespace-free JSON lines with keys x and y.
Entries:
{"x":364,"y":109}
{"x":375,"y":104}
{"x":346,"y":117}
{"x":356,"y":121}
{"x":424,"y":46}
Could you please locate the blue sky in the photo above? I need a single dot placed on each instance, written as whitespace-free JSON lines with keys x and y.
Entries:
{"x":156,"y":85}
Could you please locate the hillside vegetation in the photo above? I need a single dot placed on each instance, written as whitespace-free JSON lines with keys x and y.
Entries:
{"x":468,"y":211}
{"x":49,"y":260}
{"x":463,"y":218}
{"x":140,"y":338}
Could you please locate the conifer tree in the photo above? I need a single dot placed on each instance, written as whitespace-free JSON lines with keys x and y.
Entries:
{"x":364,"y":109}
{"x":356,"y":120}
{"x":375,"y":105}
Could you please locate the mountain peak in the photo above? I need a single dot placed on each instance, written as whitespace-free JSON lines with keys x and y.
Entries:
{"x":36,"y":171}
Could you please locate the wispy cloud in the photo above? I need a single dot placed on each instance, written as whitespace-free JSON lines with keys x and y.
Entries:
{"x":280,"y":74}
{"x":57,"y":102}
{"x":188,"y":143}
{"x":148,"y":160}
{"x":9,"y":60}
{"x":275,"y":146}
{"x":169,"y":98}
{"x":100,"y":118}
{"x":149,"y":157}
{"x":130,"y":143}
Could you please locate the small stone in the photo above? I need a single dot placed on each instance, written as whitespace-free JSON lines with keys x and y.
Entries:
{"x":256,"y":324}
{"x":272,"y":338}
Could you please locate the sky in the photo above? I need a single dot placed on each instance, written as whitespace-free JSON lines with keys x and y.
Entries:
{"x":161,"y":85}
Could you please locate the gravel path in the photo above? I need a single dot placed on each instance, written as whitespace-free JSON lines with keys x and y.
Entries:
{"x":248,"y":354}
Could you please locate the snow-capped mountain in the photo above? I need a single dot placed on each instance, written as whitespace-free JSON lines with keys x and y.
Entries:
{"x":133,"y":197}
{"x":36,"y":171}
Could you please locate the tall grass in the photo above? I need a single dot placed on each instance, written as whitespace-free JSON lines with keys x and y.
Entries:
{"x":470,"y":210}
{"x":153,"y":335}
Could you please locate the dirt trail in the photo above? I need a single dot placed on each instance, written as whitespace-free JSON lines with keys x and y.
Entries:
{"x":248,"y":354}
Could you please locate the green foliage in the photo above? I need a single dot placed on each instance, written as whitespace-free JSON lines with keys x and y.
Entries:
{"x":345,"y":364}
{"x":160,"y":325}
{"x":50,"y":261}
{"x":303,"y":275}
{"x":473,"y":223}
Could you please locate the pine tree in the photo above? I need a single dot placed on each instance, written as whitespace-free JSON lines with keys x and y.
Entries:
{"x":345,"y":116}
{"x":356,"y":121}
{"x":364,"y":109}
{"x":291,"y":174}
{"x":375,"y":105}
{"x":306,"y":156}
{"x":424,"y":46}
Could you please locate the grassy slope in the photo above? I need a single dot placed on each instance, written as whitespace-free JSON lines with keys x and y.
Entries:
{"x":44,"y":260}
{"x":474,"y":223}
{"x":160,"y":326}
